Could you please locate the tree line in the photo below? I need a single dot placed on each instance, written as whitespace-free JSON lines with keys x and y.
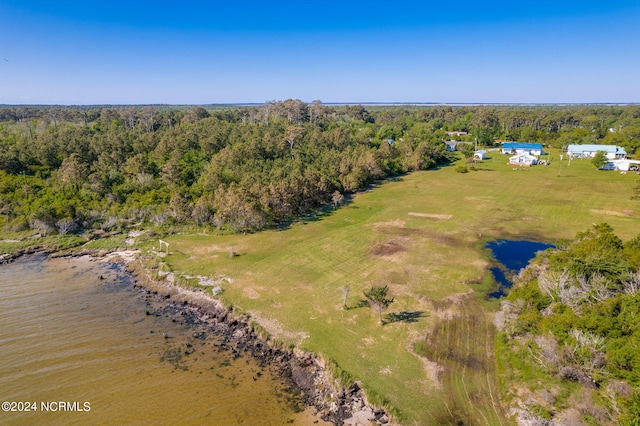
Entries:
{"x":71,"y":169}
{"x":68,"y":169}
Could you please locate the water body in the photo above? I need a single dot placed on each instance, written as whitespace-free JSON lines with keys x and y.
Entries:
{"x":512,"y":256}
{"x":69,"y":339}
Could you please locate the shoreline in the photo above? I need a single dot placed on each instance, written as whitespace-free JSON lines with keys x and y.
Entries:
{"x":305,"y":371}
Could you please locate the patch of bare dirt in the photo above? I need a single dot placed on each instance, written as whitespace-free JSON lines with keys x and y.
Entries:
{"x":124,"y":256}
{"x":394,"y":223}
{"x":434,"y":371}
{"x":386,"y":371}
{"x":431,"y":215}
{"x":251,"y":293}
{"x":369,"y":341}
{"x":626,"y":213}
{"x":445,"y":240}
{"x":391,"y":247}
{"x":275,"y":329}
{"x":217,"y":249}
{"x":450,"y":307}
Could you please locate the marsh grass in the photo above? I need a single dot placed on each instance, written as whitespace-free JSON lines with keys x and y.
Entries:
{"x":21,"y":242}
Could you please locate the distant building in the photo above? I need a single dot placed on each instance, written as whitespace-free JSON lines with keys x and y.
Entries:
{"x":457,"y":133}
{"x":523,"y":160}
{"x":480,"y":154}
{"x":453,"y":145}
{"x":613,"y":152}
{"x":522,"y":148}
{"x":623,"y":165}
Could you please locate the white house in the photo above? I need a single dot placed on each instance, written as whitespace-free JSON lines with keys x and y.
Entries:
{"x":589,"y":151}
{"x":623,"y":165}
{"x":480,"y":154}
{"x":523,"y":160}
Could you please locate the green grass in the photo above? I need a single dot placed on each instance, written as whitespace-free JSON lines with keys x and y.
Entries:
{"x":422,"y":235}
{"x":24,"y":242}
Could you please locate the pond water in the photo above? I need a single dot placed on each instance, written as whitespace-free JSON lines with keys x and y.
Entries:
{"x":84,"y":350}
{"x":512,"y":256}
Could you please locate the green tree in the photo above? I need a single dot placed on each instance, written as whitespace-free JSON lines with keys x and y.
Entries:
{"x":467,"y":151}
{"x":73,"y":172}
{"x":600,"y":159}
{"x":378,"y":300}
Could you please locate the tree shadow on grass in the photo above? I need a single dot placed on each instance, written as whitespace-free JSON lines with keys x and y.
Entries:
{"x":361,"y":304}
{"x":404,"y":316}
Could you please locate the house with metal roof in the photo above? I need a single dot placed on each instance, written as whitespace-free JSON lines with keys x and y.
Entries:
{"x":589,"y":151}
{"x":522,"y":148}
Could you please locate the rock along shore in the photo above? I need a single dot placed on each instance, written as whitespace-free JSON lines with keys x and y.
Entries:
{"x":305,"y":371}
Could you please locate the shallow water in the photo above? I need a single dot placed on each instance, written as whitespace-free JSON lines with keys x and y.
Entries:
{"x":87,"y":350}
{"x":512,"y":256}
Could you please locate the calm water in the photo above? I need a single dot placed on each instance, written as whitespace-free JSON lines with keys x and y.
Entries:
{"x":67,"y":336}
{"x":513,"y":256}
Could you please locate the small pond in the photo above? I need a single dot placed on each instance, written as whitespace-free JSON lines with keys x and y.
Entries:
{"x":512,"y":256}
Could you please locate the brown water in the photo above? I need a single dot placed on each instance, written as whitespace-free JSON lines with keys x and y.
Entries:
{"x":69,"y":340}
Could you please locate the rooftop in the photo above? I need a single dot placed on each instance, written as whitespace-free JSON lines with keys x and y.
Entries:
{"x":595,"y":148}
{"x":523,"y":145}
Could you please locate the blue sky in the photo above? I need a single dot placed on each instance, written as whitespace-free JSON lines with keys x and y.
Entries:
{"x":203,"y":52}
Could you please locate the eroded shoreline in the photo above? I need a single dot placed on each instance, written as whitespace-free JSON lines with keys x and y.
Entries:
{"x":308,"y":378}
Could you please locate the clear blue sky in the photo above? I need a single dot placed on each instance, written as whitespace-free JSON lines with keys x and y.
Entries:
{"x":202,"y":52}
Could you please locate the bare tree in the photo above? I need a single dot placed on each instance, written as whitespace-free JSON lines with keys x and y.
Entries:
{"x":549,"y":354}
{"x":337,"y":198}
{"x":506,"y":318}
{"x":551,"y":282}
{"x":314,"y":111}
{"x":148,"y":117}
{"x":345,"y":294}
{"x":66,"y":226}
{"x":632,"y":285}
{"x":129,"y":115}
{"x":292,"y":135}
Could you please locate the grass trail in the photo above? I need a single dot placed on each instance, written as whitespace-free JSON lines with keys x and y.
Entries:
{"x":463,"y":346}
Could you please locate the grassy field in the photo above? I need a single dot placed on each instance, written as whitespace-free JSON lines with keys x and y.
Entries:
{"x":422,"y":235}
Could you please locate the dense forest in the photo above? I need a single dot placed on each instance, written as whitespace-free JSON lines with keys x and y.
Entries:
{"x":102,"y":168}
{"x":570,"y":332}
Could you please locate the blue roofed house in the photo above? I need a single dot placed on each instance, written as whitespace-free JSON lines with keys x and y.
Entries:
{"x":522,"y":148}
{"x":613,"y":152}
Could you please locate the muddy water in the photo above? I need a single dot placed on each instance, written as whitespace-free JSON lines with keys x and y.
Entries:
{"x":86,"y":350}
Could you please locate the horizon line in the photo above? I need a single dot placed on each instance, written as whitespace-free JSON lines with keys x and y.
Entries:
{"x":338,"y":103}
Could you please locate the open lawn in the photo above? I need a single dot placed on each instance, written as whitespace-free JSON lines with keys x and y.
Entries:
{"x":422,"y":235}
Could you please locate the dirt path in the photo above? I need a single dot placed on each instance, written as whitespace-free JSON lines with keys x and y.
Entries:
{"x":463,"y":346}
